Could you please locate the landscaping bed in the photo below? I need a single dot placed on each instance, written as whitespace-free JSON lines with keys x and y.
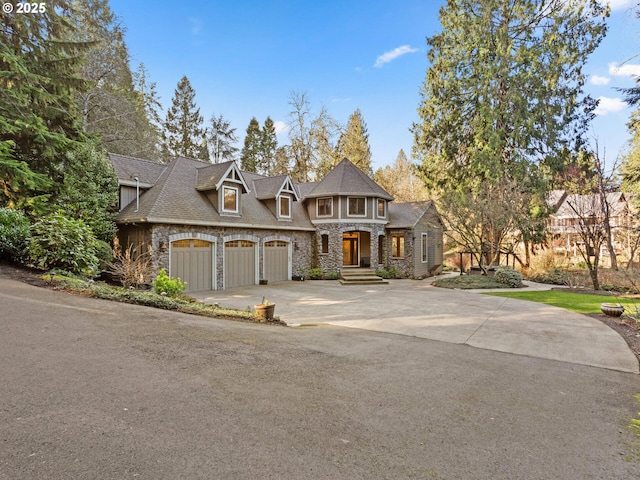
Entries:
{"x":183,"y":304}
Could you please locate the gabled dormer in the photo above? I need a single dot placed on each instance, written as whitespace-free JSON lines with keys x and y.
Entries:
{"x":224,"y":185}
{"x":278,"y":194}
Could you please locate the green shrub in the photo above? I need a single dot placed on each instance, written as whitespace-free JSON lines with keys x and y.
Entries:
{"x":381,"y":272}
{"x":332,"y":276}
{"x":14,"y":235}
{"x":61,"y":242}
{"x":555,"y":276}
{"x":104,"y":252}
{"x":172,"y":287}
{"x":508,"y":276}
{"x":393,"y":273}
{"x":315,"y":273}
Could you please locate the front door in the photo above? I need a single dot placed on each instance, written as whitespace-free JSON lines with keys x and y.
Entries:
{"x":350,"y":250}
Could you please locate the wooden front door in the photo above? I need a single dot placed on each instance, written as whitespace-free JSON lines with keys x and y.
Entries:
{"x":350,"y":254}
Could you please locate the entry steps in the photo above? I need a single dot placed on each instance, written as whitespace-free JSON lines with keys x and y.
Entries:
{"x":360,"y":276}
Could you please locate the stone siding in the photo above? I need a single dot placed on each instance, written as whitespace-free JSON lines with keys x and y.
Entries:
{"x":301,"y":245}
{"x":332,"y":261}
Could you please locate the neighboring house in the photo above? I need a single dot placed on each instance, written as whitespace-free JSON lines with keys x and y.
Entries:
{"x":218,"y":227}
{"x":570,"y":209}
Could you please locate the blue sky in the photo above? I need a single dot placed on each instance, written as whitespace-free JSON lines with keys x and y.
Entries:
{"x":244,"y":58}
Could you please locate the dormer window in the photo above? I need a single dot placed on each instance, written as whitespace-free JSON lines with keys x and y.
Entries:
{"x":382,"y":208}
{"x":284,"y":206}
{"x":230,"y":200}
{"x":357,"y":206}
{"x":324,"y":207}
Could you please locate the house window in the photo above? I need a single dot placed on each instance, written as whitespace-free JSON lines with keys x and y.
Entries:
{"x":397,"y":245}
{"x":285,"y":206}
{"x":382,"y":208}
{"x":324,"y":243}
{"x":230,"y":200}
{"x":357,"y":206}
{"x":425,"y":244}
{"x":324,"y":207}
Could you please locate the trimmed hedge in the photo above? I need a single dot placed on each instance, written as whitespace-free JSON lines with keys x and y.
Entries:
{"x":508,"y":276}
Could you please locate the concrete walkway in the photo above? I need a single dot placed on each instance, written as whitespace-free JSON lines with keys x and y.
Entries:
{"x":416,"y":308}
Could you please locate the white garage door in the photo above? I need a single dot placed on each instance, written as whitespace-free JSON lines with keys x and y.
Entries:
{"x":191,"y":262}
{"x":276,"y":261}
{"x":239,"y":263}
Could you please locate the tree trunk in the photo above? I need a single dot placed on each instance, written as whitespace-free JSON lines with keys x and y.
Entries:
{"x":593,"y":273}
{"x":604,"y":205}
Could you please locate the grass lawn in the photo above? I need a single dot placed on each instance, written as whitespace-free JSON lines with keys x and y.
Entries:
{"x":577,"y":302}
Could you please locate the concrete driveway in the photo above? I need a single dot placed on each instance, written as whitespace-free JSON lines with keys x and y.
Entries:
{"x":418,"y":309}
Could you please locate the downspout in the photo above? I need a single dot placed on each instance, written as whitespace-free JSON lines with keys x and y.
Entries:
{"x":137,"y":194}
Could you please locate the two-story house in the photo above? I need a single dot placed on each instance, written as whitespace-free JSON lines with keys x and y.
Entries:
{"x":218,"y":227}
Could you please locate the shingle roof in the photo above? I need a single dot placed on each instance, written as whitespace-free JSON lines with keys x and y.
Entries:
{"x":407,"y":214}
{"x":347,"y":179}
{"x":210,"y":175}
{"x":268,"y":187}
{"x":128,"y":168}
{"x":174,"y":199}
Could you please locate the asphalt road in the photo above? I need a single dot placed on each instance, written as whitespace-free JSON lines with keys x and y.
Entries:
{"x":93,"y":389}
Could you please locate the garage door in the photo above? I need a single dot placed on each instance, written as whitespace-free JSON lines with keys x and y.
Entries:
{"x":276,"y":261}
{"x":239,"y":263}
{"x":191,"y":261}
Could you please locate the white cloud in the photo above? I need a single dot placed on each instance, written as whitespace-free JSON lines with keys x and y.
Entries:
{"x":620,"y":4}
{"x":393,"y":54}
{"x":624,"y":70}
{"x":609,"y":105}
{"x":598,"y":80}
{"x":196,"y":25}
{"x":281,"y":127}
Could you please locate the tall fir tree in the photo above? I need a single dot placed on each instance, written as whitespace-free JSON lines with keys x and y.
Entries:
{"x":354,"y":143}
{"x":268,"y":147}
{"x":183,"y":131}
{"x":250,"y":155}
{"x":148,"y":101}
{"x":39,"y":61}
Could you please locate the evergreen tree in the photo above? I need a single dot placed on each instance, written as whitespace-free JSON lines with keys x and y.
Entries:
{"x":183,"y":130}
{"x":502,"y":102}
{"x":148,"y":101}
{"x":503,"y":92}
{"x":89,"y":190}
{"x":250,"y":155}
{"x":268,"y":147}
{"x":354,"y":143}
{"x":221,"y":139}
{"x":39,"y":61}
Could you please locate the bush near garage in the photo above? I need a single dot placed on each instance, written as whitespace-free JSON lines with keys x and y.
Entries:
{"x":68,"y":244}
{"x":172,"y":287}
{"x":14,"y":235}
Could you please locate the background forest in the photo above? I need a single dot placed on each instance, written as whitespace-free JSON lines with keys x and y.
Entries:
{"x":503,"y":121}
